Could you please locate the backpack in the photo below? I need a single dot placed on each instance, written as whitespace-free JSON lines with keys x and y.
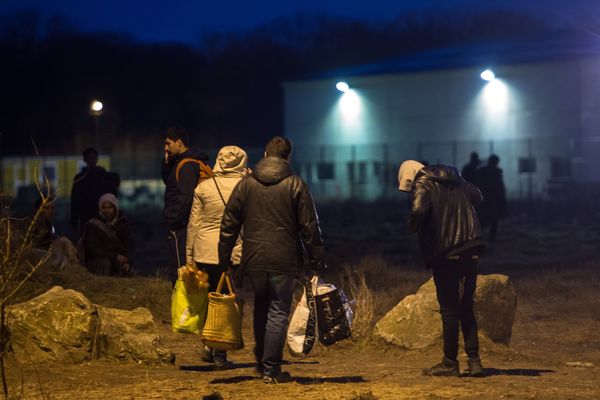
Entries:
{"x":205,"y":171}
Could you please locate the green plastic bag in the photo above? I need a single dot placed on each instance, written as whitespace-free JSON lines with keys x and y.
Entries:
{"x":188,"y":309}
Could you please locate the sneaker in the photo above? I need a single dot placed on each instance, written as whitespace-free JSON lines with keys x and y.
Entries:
{"x":281,"y":377}
{"x":475,"y":367}
{"x":206,"y":355}
{"x":445,"y":368}
{"x":222,"y":364}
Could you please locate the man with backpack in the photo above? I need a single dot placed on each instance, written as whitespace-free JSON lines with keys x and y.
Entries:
{"x":182,"y":168}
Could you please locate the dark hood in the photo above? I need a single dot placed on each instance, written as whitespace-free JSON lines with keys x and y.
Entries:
{"x":441,"y":173}
{"x":271,"y":170}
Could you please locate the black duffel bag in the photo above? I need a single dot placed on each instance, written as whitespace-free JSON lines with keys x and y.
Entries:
{"x":331,"y":317}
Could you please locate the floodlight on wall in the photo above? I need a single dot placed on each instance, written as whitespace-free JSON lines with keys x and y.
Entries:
{"x":342,"y":86}
{"x":488,"y":75}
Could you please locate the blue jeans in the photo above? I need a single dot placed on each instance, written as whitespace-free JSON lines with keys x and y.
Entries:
{"x":273,"y":293}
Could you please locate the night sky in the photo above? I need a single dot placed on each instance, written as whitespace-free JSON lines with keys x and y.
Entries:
{"x":185,"y":20}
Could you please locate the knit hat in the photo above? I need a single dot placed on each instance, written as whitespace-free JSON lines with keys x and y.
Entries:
{"x":110,"y":198}
{"x":231,"y":159}
{"x":406,"y":174}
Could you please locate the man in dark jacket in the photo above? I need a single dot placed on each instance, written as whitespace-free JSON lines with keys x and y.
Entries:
{"x":180,"y":174}
{"x":88,"y":186}
{"x":278,"y":217}
{"x":493,"y":207}
{"x":469,"y":171}
{"x":442,"y":214}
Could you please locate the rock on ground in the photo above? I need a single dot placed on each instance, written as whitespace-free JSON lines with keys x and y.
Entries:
{"x":64,"y":326}
{"x":415,"y":323}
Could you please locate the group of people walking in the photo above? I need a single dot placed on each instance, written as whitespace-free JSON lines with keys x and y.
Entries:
{"x":263,"y":221}
{"x":259,"y":221}
{"x":262,"y":224}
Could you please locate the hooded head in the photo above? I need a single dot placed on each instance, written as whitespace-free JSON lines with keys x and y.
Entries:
{"x":231,"y":159}
{"x":109,"y":207}
{"x":406,"y":174}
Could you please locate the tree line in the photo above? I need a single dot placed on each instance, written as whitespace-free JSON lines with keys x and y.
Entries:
{"x":227,"y":86}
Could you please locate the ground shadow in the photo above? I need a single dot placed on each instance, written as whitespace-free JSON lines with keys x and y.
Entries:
{"x":210,"y":367}
{"x":234,"y":379}
{"x":302,"y":380}
{"x":285,"y":362}
{"x":514,"y":372}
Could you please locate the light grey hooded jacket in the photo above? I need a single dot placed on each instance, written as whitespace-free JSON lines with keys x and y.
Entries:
{"x":207,"y":208}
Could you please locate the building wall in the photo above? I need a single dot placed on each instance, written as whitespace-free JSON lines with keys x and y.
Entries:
{"x":544,"y":111}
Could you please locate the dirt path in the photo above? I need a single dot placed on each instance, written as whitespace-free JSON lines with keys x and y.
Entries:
{"x":534,"y":367}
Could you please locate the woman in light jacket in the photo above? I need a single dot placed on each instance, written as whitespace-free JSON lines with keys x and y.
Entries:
{"x":204,"y":226}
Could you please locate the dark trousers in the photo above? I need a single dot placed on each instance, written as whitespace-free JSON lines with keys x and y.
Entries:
{"x":273,"y":293}
{"x":177,"y":240}
{"x":214,"y":274}
{"x":449,"y":276}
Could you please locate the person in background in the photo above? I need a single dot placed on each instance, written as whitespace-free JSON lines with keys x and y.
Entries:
{"x":43,"y":232}
{"x":88,"y":186}
{"x":493,"y":207}
{"x":469,"y":171}
{"x":202,"y":246}
{"x":180,"y":174}
{"x":444,"y":218}
{"x":107,"y":241}
{"x":274,"y":208}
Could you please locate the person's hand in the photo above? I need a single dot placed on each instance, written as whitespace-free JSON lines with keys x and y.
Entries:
{"x":166,"y":157}
{"x":122,"y":259}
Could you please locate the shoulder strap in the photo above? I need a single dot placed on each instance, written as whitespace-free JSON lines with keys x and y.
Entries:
{"x":219,"y":190}
{"x":203,"y":167}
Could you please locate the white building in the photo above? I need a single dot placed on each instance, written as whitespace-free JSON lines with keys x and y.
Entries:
{"x":541,"y":116}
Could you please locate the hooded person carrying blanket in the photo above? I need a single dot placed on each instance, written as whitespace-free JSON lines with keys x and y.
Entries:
{"x":210,"y":197}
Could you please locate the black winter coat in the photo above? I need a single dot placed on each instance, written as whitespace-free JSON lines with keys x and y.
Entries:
{"x":179,"y":195}
{"x":442,"y":213}
{"x":278,"y":216}
{"x":88,"y":186}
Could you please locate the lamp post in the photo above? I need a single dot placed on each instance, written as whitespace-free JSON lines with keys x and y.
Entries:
{"x":96,"y":107}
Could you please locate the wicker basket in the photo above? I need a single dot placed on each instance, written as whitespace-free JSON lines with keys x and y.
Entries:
{"x":223,"y":327}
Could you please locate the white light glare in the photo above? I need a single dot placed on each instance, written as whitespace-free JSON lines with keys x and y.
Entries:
{"x":342,"y":86}
{"x":96,"y":105}
{"x":488,"y":75}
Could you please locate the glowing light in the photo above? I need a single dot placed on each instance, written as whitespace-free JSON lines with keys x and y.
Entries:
{"x":496,"y":96}
{"x":96,"y":106}
{"x":488,"y":75}
{"x":342,"y":87}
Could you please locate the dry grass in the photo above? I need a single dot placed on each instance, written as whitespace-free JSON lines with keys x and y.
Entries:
{"x":570,"y":289}
{"x":376,"y":287}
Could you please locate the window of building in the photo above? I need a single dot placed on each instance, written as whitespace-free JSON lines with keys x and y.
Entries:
{"x":362,"y":173}
{"x":560,"y":167}
{"x":527,"y":165}
{"x":351,"y":173}
{"x":325,"y":170}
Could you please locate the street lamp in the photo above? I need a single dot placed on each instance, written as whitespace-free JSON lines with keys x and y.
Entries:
{"x":96,"y":107}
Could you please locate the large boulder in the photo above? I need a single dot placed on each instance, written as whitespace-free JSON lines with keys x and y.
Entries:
{"x":64,"y":326}
{"x":415,"y":323}
{"x":54,"y":326}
